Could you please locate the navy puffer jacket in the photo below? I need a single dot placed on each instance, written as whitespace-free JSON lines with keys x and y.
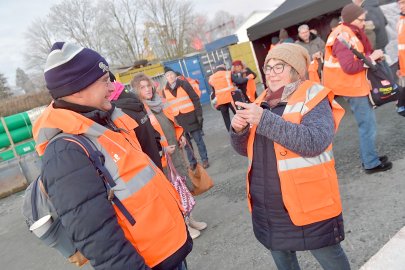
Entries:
{"x":80,"y":198}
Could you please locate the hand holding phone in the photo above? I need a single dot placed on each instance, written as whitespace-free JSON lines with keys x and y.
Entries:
{"x":237,"y":95}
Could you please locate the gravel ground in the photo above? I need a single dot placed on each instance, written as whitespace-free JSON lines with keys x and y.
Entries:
{"x":373,"y":205}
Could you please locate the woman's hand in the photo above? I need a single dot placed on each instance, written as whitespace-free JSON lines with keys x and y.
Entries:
{"x":238,"y":123}
{"x":182,"y":141}
{"x":251,"y":112}
{"x":170,"y":149}
{"x":377,"y":54}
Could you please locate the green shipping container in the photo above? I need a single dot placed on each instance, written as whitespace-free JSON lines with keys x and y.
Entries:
{"x":17,"y":135}
{"x":15,"y":121}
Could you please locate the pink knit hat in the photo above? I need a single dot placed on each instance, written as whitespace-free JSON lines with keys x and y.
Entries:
{"x":117,"y":92}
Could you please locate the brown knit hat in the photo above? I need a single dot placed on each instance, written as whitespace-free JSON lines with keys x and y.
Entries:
{"x":351,"y":12}
{"x":293,"y":54}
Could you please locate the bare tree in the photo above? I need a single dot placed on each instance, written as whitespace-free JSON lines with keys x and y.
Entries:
{"x":80,"y":21}
{"x":167,"y":26}
{"x":223,"y":24}
{"x":125,"y":41}
{"x":23,"y":81}
{"x":5,"y":90}
{"x":39,"y":39}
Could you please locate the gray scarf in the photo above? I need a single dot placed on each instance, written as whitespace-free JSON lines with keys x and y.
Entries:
{"x":155,"y":104}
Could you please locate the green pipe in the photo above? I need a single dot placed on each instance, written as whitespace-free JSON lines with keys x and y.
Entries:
{"x":25,"y":148}
{"x":6,"y":155}
{"x":17,"y":135}
{"x":15,"y":121}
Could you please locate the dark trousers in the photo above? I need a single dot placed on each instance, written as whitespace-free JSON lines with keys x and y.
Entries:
{"x":224,"y":108}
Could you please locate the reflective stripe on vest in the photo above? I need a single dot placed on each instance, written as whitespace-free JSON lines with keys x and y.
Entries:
{"x":298,"y":191}
{"x":182,"y":103}
{"x":301,"y":162}
{"x":142,"y":188}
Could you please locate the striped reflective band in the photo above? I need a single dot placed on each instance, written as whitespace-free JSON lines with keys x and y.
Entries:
{"x":177,"y":100}
{"x":330,"y":64}
{"x":96,"y":130}
{"x":401,"y":47}
{"x":301,"y":162}
{"x":190,"y":104}
{"x":224,"y":89}
{"x":124,"y":189}
{"x":117,"y":113}
{"x":313,"y":91}
{"x":163,"y":138}
{"x":45,"y":134}
{"x":295,"y":108}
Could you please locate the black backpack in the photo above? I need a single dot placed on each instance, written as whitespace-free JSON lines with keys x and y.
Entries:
{"x":37,"y":204}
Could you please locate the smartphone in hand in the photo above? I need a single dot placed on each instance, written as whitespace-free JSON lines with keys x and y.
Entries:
{"x":237,"y":95}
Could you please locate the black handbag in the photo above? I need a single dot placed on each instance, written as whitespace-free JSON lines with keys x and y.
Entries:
{"x":383,"y":87}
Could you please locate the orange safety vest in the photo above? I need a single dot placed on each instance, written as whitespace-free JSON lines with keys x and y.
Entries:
{"x":221,"y":81}
{"x":309,"y":185}
{"x":180,"y":104}
{"x":341,"y":83}
{"x":401,"y":45}
{"x":156,"y":125}
{"x":251,"y":90}
{"x":143,"y":189}
{"x":195,"y":84}
{"x":313,"y":71}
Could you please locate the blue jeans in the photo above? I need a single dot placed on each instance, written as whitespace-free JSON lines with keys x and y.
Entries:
{"x":330,"y":258}
{"x":365,"y":118}
{"x":198,"y":138}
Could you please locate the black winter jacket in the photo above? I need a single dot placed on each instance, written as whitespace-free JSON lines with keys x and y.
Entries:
{"x":193,"y":120}
{"x":80,"y":197}
{"x":148,"y":137}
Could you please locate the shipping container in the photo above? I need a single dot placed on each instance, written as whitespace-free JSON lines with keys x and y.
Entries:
{"x":244,"y":52}
{"x":191,"y":67}
{"x":210,"y":60}
{"x":152,"y":71}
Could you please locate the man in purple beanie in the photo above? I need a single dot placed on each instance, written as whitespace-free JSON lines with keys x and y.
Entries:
{"x":138,"y":223}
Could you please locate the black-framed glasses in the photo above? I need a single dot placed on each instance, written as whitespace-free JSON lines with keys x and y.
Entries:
{"x":277,"y":68}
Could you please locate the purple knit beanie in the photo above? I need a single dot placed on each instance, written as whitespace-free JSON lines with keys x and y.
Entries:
{"x":70,"y":68}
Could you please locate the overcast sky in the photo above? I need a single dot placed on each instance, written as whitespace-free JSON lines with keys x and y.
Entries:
{"x":17,"y":15}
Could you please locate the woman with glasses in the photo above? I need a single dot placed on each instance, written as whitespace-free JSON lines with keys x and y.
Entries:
{"x":292,"y":185}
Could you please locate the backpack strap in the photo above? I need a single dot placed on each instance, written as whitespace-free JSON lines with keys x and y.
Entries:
{"x":34,"y":199}
{"x":97,"y":158}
